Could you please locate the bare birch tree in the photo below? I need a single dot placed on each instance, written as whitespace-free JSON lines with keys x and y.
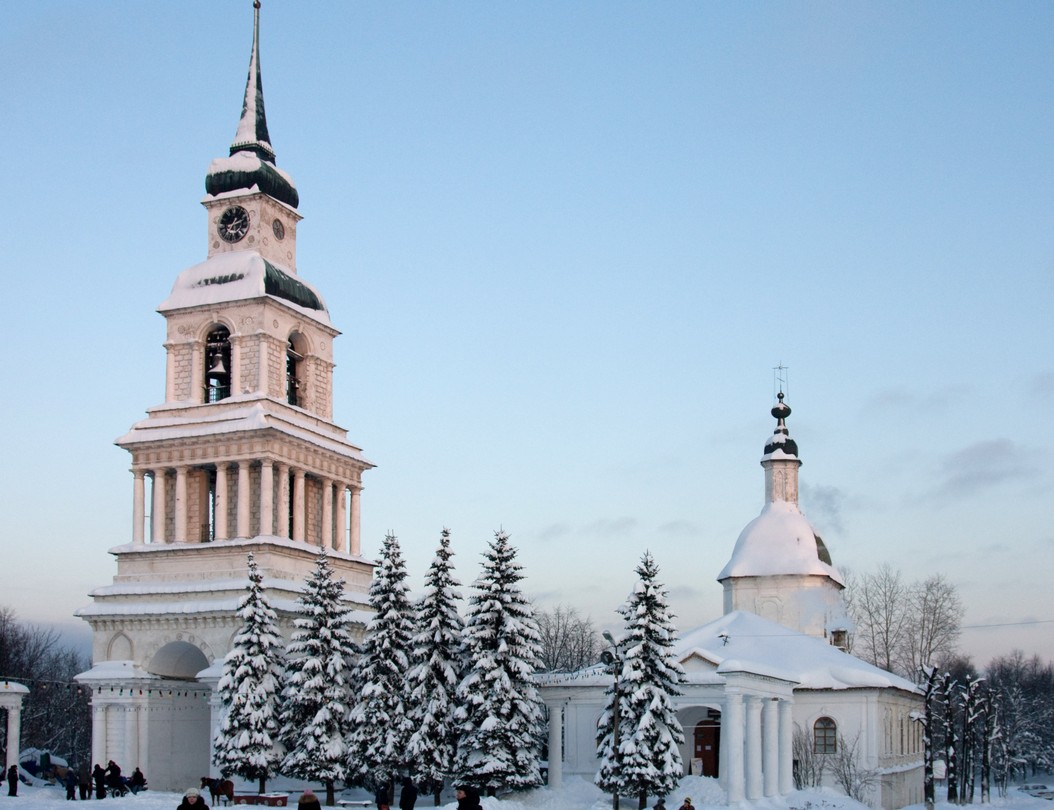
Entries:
{"x":569,"y":640}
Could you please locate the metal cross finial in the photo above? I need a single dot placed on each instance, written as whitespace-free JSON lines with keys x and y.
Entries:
{"x":780,"y":379}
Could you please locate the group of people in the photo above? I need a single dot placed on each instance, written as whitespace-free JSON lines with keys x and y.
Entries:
{"x":687,"y":805}
{"x":108,"y":779}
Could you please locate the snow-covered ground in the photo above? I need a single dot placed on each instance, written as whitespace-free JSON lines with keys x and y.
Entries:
{"x":576,"y":794}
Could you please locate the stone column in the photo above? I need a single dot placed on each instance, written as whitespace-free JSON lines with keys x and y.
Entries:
{"x":283,"y":500}
{"x":326,"y":540}
{"x":222,"y":505}
{"x":262,"y":361}
{"x":770,"y":746}
{"x":131,"y":732}
{"x":298,"y":506}
{"x":356,"y":546}
{"x":267,"y":497}
{"x":732,"y":732}
{"x":340,"y":541}
{"x":170,"y":372}
{"x":11,"y":696}
{"x":197,"y":375}
{"x":98,"y":730}
{"x":244,"y":505}
{"x":753,"y":748}
{"x":157,"y":512}
{"x":235,"y":371}
{"x":556,"y":747}
{"x":14,"y":734}
{"x":216,"y":714}
{"x":138,"y":506}
{"x":180,"y":529}
{"x":786,"y":746}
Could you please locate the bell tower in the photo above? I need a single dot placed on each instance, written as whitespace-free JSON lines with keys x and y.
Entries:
{"x":243,"y":455}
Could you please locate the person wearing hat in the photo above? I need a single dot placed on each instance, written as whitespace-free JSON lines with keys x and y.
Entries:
{"x":192,"y":800}
{"x":687,"y":804}
{"x":660,"y":804}
{"x":467,"y":798}
{"x":308,"y":801}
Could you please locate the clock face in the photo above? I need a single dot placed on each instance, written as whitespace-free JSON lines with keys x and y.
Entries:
{"x":234,"y":224}
{"x":278,"y":228}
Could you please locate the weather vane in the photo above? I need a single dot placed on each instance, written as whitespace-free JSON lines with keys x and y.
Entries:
{"x":780,"y":379}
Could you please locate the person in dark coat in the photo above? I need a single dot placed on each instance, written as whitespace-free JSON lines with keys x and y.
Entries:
{"x":137,"y":781}
{"x":193,"y":800}
{"x":408,"y":794}
{"x":308,"y":801}
{"x":12,"y":781}
{"x":380,"y":798}
{"x":84,"y":780}
{"x":467,"y":798}
{"x":71,"y":784}
{"x":98,"y":775}
{"x":114,"y":780}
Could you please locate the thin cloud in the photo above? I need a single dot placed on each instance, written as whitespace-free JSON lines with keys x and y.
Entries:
{"x":554,"y":531}
{"x":679,"y":528}
{"x":902,"y":399}
{"x":979,"y":467}
{"x":611,"y":527}
{"x":1041,"y":386}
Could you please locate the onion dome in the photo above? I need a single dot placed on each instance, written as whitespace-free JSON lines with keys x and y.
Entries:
{"x":251,"y":164}
{"x":780,"y":439}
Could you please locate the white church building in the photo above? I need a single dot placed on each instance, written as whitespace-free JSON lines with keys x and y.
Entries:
{"x":243,"y":455}
{"x":771,"y":665}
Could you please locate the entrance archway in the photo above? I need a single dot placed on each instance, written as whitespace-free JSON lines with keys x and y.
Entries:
{"x":707,"y":743}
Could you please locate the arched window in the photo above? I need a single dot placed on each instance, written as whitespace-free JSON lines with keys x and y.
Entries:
{"x":218,"y":364}
{"x":824,"y":736}
{"x":293,"y":360}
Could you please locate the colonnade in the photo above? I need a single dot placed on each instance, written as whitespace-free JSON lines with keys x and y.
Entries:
{"x":282,"y":510}
{"x":757,"y":755}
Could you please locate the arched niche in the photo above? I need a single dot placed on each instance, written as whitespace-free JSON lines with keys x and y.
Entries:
{"x":178,"y":659}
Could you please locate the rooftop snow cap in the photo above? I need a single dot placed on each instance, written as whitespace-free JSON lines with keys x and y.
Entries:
{"x":781,"y":439}
{"x":252,"y":160}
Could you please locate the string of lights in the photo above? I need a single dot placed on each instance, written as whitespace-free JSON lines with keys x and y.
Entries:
{"x":85,"y":690}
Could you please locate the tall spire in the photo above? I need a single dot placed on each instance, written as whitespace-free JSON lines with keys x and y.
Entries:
{"x":251,"y":165}
{"x":252,"y":128}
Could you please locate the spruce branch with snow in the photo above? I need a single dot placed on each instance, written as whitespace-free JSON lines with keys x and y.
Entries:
{"x":247,"y":742}
{"x":500,"y":714}
{"x":317,"y":686}
{"x":380,"y":721}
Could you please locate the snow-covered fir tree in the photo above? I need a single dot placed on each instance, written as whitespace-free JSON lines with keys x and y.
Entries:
{"x":317,"y":690}
{"x":247,"y":742}
{"x":380,"y":722}
{"x":438,"y":661}
{"x":648,"y":759}
{"x":499,"y":712}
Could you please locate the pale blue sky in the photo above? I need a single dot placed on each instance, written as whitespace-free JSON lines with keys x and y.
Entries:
{"x":566,"y":243}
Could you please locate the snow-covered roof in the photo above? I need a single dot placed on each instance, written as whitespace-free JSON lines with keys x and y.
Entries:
{"x":186,"y":422}
{"x":744,"y":642}
{"x":242,"y":276}
{"x":779,"y":541}
{"x":108,"y":670}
